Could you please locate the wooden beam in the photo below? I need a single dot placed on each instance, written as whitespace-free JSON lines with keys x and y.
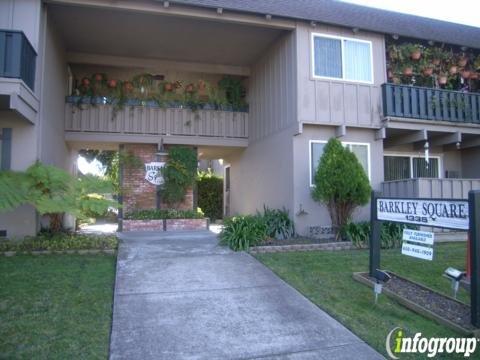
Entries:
{"x":122,"y":61}
{"x":470,"y":143}
{"x":381,"y":134}
{"x":412,"y":137}
{"x":452,"y":138}
{"x":340,"y":131}
{"x":175,"y":9}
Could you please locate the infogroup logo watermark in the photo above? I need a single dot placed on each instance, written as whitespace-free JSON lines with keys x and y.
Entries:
{"x":397,"y":343}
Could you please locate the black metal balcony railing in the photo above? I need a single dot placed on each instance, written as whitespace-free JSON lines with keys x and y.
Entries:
{"x":416,"y":102}
{"x":17,"y":57}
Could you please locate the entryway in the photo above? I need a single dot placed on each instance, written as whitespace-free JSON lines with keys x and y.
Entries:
{"x":182,"y":296}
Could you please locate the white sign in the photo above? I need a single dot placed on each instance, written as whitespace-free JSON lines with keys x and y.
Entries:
{"x":421,"y":252}
{"x":452,"y":214}
{"x":421,"y":237}
{"x":153,"y":174}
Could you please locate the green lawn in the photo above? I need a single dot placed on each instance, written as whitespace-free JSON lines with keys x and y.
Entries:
{"x":326,"y":279}
{"x":56,"y":306}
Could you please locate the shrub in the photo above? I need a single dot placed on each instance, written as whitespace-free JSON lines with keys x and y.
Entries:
{"x":210,"y":194}
{"x":241,"y":232}
{"x":60,"y":242}
{"x":157,"y":214}
{"x":278,"y":223}
{"x":340,"y":183}
{"x":359,"y":234}
{"x":179,"y":174}
{"x":53,"y":191}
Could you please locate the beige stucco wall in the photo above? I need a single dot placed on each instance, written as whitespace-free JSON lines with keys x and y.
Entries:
{"x":317,"y":213}
{"x":22,"y":221}
{"x":262,"y":175}
{"x":471,"y":163}
{"x":22,"y":15}
{"x":326,"y":101}
{"x":52,"y":146}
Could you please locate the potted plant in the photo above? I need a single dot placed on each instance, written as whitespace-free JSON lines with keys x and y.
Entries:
{"x":112,"y":84}
{"x":190,"y":88}
{"x":168,"y":87}
{"x":412,"y":51}
{"x":466,"y":73}
{"x":453,"y":69}
{"x":442,"y":79}
{"x":407,"y":70}
{"x":462,"y":60}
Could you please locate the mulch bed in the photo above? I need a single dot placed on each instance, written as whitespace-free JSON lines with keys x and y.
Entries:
{"x":445,"y":307}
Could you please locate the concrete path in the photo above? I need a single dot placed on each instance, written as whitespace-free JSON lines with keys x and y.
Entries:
{"x":181,"y":296}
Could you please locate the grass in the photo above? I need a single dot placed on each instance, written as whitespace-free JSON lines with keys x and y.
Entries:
{"x":56,"y":306}
{"x":326,"y":279}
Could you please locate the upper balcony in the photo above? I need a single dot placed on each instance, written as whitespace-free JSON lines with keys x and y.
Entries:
{"x":432,"y":83}
{"x":407,"y":101}
{"x":17,"y":58}
{"x":17,"y":74}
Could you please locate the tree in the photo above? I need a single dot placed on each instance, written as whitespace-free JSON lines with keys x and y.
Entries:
{"x":53,"y":192}
{"x":340,"y":183}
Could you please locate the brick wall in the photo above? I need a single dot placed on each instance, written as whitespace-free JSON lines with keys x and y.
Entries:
{"x":168,"y":225}
{"x":138,"y":193}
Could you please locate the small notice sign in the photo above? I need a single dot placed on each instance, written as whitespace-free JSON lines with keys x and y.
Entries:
{"x":421,"y":252}
{"x":420,"y":237}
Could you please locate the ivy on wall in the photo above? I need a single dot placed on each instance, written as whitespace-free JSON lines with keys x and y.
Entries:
{"x":179,"y":174}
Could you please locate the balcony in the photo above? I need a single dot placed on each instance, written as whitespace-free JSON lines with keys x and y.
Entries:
{"x":430,"y":188}
{"x":17,"y":57}
{"x":135,"y":122}
{"x":414,"y":102}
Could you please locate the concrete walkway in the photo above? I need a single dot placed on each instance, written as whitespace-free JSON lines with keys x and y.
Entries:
{"x":181,"y":296}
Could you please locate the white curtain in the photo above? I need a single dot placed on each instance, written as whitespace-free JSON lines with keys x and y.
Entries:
{"x":361,"y":152}
{"x":357,"y":61}
{"x":317,"y":152}
{"x":328,"y":57}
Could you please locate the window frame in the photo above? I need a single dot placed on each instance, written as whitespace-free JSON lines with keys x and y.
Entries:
{"x":411,"y":157}
{"x":344,"y":143}
{"x":342,"y":46}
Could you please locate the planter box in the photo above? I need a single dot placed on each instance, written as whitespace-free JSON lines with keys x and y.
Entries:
{"x":165,"y":225}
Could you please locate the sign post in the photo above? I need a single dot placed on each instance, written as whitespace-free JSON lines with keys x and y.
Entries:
{"x":474,"y":215}
{"x":374,"y":237}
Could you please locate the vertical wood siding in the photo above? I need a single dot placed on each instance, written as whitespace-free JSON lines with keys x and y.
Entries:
{"x":336,"y":102}
{"x":272,"y":89}
{"x":156,"y":121}
{"x":430,"y":188}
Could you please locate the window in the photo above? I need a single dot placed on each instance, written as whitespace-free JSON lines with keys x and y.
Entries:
{"x":407,"y":167}
{"x":342,"y":58}
{"x":5,"y":148}
{"x":361,"y":150}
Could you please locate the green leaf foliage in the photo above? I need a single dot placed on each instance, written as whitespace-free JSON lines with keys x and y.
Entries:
{"x":340,"y":183}
{"x":210,"y":194}
{"x":179,"y":174}
{"x":359,"y":234}
{"x":53,"y":191}
{"x":241,"y":232}
{"x":278,"y":222}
